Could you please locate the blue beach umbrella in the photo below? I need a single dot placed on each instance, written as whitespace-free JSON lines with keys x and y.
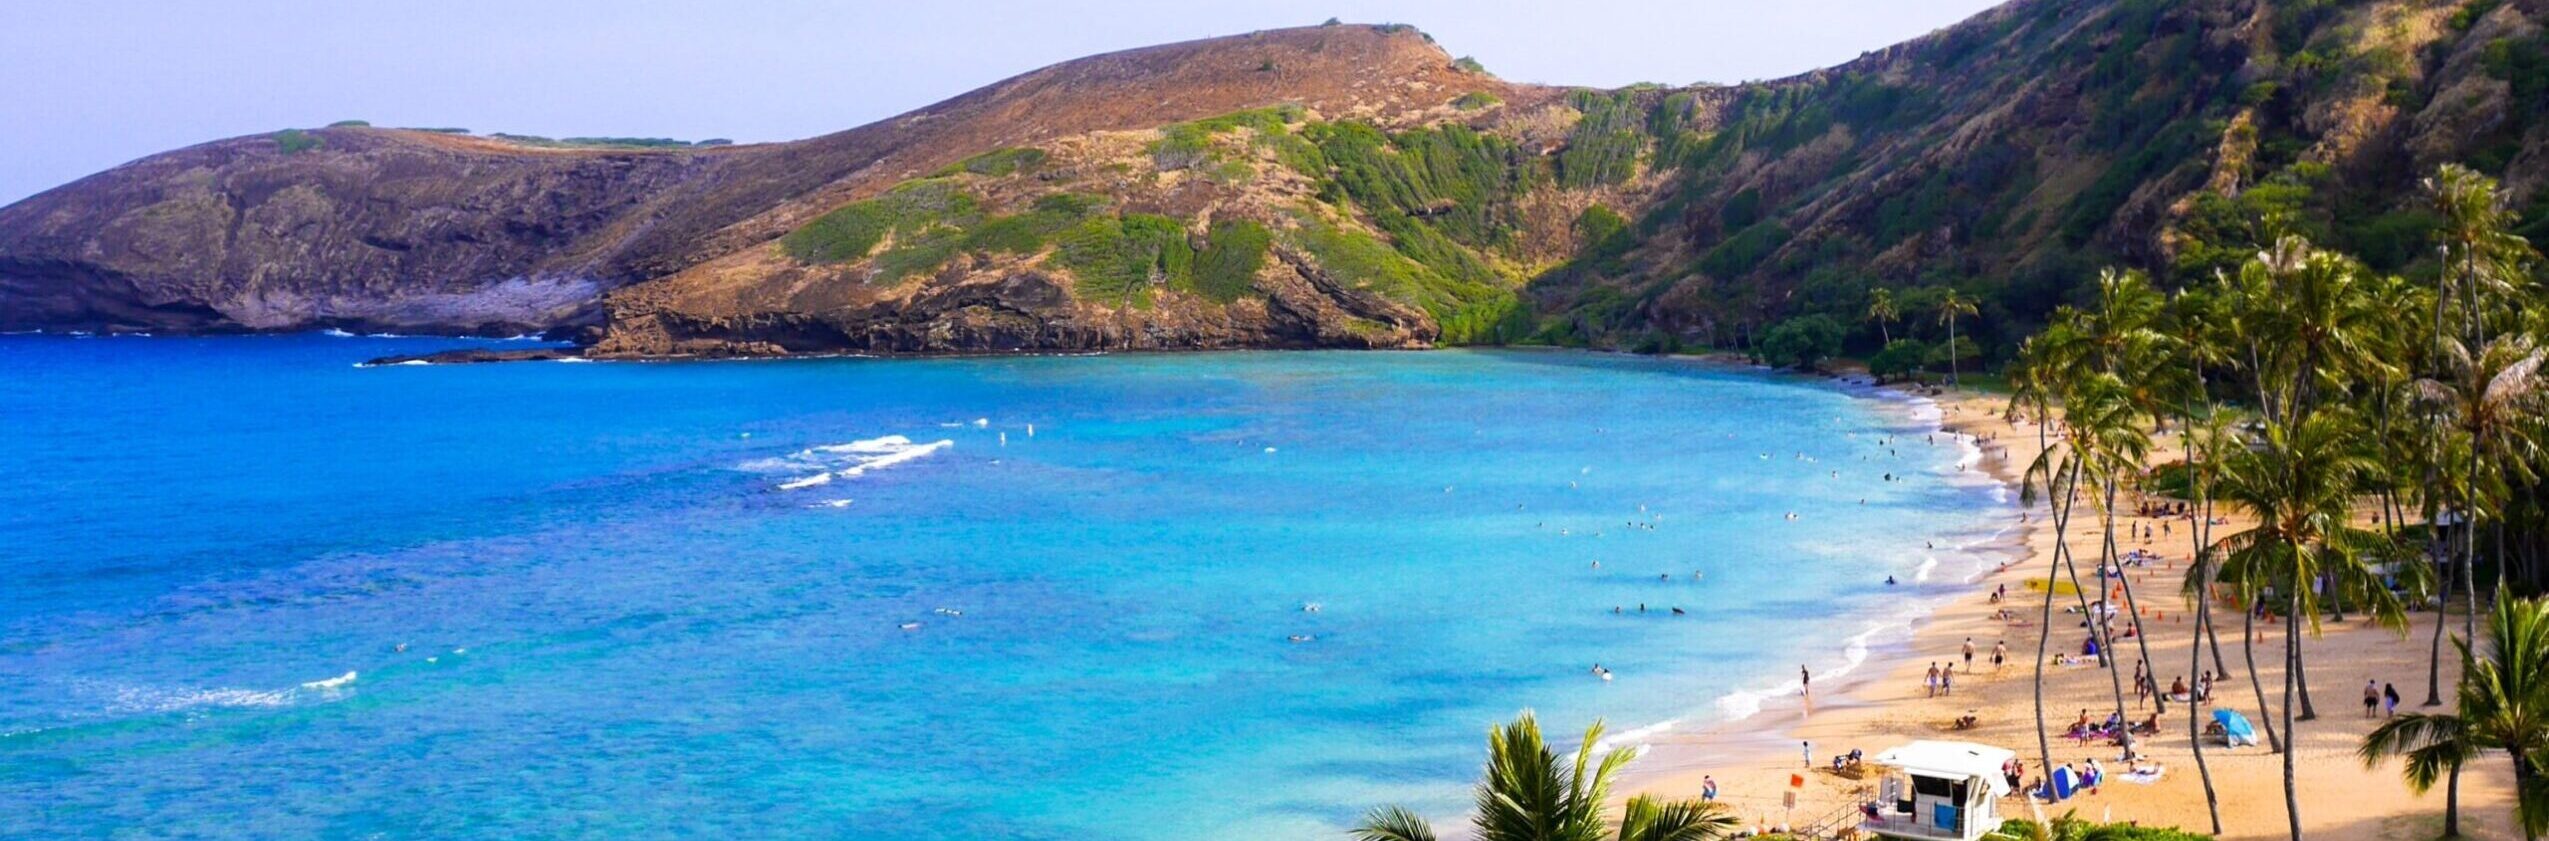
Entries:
{"x":2235,"y":727}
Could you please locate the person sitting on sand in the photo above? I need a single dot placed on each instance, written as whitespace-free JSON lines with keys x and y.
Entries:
{"x":2177,"y":689}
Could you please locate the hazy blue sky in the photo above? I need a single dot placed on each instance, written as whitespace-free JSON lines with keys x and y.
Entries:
{"x":87,"y":84}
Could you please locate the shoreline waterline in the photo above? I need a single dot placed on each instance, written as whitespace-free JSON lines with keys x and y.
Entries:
{"x":1868,"y":645}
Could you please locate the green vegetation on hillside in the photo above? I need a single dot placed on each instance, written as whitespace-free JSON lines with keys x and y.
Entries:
{"x":294,"y":141}
{"x":1122,"y":260}
{"x":1457,"y":180}
{"x":851,"y":231}
{"x":1188,"y":145}
{"x":996,"y":163}
{"x":1233,"y":252}
{"x":1468,"y":310}
{"x":1603,"y":148}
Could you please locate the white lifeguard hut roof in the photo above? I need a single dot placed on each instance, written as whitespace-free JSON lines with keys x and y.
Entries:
{"x":1952,"y":760}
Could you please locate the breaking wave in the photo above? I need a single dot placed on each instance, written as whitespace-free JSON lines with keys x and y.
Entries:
{"x":821,"y":465}
{"x":144,"y":699}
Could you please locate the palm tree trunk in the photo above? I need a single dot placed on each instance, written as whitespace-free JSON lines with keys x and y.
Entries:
{"x":2213,"y":635}
{"x":2434,"y":660}
{"x":2248,"y":649}
{"x":2522,"y":782}
{"x":2451,"y":804}
{"x":2203,"y":532}
{"x":2195,"y":663}
{"x":2044,"y":627}
{"x":2438,"y":552}
{"x":2141,"y":635}
{"x":1951,"y":350}
{"x":2106,"y":641}
{"x":2469,"y":569}
{"x":2291,"y":678}
{"x":2301,"y":670}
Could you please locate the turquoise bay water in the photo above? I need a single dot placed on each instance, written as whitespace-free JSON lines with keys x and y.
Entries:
{"x":630,"y":609}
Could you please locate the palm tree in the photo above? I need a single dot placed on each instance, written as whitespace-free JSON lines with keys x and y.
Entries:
{"x":1951,"y":304}
{"x":1529,"y":795}
{"x":2310,"y":332}
{"x":2504,"y":705}
{"x":2031,"y":392}
{"x":2193,"y":320}
{"x":2300,"y":484}
{"x":2479,"y":246}
{"x":2098,"y":430}
{"x":2491,"y":399}
{"x":1881,"y":309}
{"x":2209,"y":439}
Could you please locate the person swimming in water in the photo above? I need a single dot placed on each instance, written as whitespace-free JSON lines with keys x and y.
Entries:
{"x":1889,"y":581}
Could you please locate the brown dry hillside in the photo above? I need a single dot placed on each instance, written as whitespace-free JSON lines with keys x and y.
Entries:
{"x":392,"y":229}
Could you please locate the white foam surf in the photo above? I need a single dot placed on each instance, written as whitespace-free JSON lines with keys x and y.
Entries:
{"x":147,"y":699}
{"x":821,"y":465}
{"x":337,"y":682}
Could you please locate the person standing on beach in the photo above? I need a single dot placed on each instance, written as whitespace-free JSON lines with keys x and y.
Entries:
{"x":1707,"y":788}
{"x":1969,"y":654}
{"x":1947,"y":680}
{"x":1808,"y":748}
{"x":2371,"y":698}
{"x":1929,"y":682}
{"x":1999,"y":654}
{"x":1805,"y":681}
{"x":2390,"y":699}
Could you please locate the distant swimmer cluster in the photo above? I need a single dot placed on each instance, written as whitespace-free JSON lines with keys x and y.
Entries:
{"x":943,"y":611}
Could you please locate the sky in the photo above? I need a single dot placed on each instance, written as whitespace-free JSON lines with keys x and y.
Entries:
{"x":90,"y":84}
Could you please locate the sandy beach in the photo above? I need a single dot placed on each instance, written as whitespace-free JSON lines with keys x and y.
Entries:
{"x":1885,"y":703}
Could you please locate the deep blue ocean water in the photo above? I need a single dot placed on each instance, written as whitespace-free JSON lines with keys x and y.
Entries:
{"x":629,"y":608}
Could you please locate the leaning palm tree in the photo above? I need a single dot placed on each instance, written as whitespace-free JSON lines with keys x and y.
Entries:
{"x":2504,"y":705}
{"x":1882,"y":309}
{"x":1529,"y":794}
{"x":2031,"y":392}
{"x":1950,"y":305}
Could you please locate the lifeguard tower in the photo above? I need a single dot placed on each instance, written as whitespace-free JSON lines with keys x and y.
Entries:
{"x":1937,"y":791}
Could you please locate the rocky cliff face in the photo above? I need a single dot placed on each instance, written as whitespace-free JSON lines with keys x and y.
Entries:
{"x":1346,"y":186}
